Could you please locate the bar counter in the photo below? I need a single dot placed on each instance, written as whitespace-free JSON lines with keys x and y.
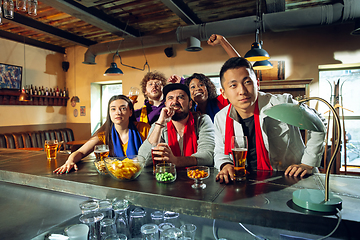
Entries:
{"x":264,"y":199}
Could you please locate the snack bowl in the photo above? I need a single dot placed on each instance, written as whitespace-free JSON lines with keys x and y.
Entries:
{"x":165,"y":172}
{"x":124,"y":168}
{"x":100,"y":167}
{"x":198,"y":174}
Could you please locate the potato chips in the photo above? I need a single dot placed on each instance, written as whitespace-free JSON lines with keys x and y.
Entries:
{"x":125,"y":169}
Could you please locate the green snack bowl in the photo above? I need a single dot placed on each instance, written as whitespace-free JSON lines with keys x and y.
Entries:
{"x":165,"y":172}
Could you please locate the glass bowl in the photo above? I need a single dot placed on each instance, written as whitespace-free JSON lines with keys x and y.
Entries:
{"x":124,"y":168}
{"x":165,"y":172}
{"x":198,"y":174}
{"x":100,"y":167}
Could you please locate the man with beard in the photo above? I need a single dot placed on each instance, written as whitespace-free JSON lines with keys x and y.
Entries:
{"x":180,"y":136}
{"x":151,"y":86}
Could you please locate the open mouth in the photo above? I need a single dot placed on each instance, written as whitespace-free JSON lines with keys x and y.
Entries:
{"x":198,"y":94}
{"x":176,"y":108}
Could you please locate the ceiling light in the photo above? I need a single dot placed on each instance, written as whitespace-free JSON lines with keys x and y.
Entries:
{"x":256,"y":53}
{"x":193,"y":45}
{"x":302,"y":117}
{"x":262,"y":65}
{"x":113,"y":70}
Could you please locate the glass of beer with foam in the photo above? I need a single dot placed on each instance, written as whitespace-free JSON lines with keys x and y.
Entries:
{"x":239,"y":148}
{"x":51,"y":149}
{"x":134,"y":93}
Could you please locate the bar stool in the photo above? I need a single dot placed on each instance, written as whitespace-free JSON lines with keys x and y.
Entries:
{"x":2,"y":141}
{"x":10,"y":142}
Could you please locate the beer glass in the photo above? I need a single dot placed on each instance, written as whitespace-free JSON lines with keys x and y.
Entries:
{"x":51,"y":149}
{"x":134,"y":93}
{"x":239,"y":148}
{"x":101,"y":152}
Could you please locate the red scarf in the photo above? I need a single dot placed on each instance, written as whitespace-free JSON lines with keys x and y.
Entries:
{"x":263,"y":161}
{"x":190,"y":139}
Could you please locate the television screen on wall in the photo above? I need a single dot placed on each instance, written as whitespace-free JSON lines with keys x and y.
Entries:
{"x":10,"y":76}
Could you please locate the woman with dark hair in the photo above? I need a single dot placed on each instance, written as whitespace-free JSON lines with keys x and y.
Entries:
{"x":203,"y":93}
{"x":120,"y":131}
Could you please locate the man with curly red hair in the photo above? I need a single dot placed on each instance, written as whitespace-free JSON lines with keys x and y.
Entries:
{"x":152,"y":87}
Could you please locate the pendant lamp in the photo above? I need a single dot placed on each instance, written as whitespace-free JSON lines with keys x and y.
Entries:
{"x":256,"y":53}
{"x":262,"y":65}
{"x":113,"y":70}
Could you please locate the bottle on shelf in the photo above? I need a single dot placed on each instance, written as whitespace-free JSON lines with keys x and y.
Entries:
{"x":57,"y":91}
{"x":47,"y":91}
{"x":51,"y":92}
{"x":26,"y":89}
{"x":35,"y":91}
{"x":31,"y":90}
{"x":42,"y":91}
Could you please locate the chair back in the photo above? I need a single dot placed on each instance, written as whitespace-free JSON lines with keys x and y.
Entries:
{"x":2,"y":141}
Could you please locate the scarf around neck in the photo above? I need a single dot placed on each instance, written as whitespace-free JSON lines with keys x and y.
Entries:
{"x":190,"y":139}
{"x":263,"y":161}
{"x":134,"y":141}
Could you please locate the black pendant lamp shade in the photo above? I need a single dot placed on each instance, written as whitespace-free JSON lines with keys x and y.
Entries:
{"x":113,"y":70}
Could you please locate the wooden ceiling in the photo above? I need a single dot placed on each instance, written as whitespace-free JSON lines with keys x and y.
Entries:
{"x":64,"y":23}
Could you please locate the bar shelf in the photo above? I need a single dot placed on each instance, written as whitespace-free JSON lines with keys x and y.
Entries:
{"x":11,"y":97}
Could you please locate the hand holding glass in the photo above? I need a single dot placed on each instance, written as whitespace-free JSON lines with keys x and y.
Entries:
{"x":239,"y":148}
{"x":134,"y":93}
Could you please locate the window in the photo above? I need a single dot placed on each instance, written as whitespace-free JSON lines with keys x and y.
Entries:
{"x":100,"y":95}
{"x":341,"y":86}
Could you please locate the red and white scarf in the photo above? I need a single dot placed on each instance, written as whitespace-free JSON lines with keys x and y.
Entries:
{"x":263,"y":161}
{"x":189,"y":141}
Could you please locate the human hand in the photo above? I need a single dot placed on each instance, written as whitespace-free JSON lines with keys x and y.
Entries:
{"x":214,"y":39}
{"x":296,"y":169}
{"x":226,"y":174}
{"x":174,"y":79}
{"x":162,"y":152}
{"x":68,"y":165}
{"x":165,"y":115}
{"x":132,"y":99}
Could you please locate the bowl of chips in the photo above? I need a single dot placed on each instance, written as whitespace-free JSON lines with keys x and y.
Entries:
{"x":124,"y":168}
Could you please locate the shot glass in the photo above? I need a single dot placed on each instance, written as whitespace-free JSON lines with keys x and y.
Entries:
{"x":189,"y":231}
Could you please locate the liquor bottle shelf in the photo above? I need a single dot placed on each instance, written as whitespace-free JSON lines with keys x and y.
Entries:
{"x":9,"y":97}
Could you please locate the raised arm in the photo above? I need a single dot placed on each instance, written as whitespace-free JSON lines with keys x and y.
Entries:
{"x":216,"y":39}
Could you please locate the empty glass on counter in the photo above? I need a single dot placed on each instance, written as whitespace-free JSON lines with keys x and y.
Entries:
{"x":107,"y":228}
{"x":164,"y":226}
{"x":117,"y":237}
{"x":105,"y":207}
{"x":172,"y":217}
{"x":150,"y":231}
{"x":137,"y":219}
{"x":120,"y":207}
{"x":157,"y":217}
{"x":92,"y":219}
{"x":77,"y":232}
{"x":90,"y":205}
{"x":171,"y":234}
{"x":189,"y":231}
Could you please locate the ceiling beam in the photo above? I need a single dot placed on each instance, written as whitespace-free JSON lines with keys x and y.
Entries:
{"x":183,"y":11}
{"x":47,"y":29}
{"x":30,"y":41}
{"x":273,"y":6}
{"x":93,"y":16}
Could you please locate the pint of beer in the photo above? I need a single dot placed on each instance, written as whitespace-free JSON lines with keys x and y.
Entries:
{"x":239,"y":148}
{"x":51,"y":149}
{"x":101,"y":152}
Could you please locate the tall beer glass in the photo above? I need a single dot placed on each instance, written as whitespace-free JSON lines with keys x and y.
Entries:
{"x":239,"y":148}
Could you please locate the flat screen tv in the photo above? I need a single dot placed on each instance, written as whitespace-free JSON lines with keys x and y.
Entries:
{"x":10,"y":76}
